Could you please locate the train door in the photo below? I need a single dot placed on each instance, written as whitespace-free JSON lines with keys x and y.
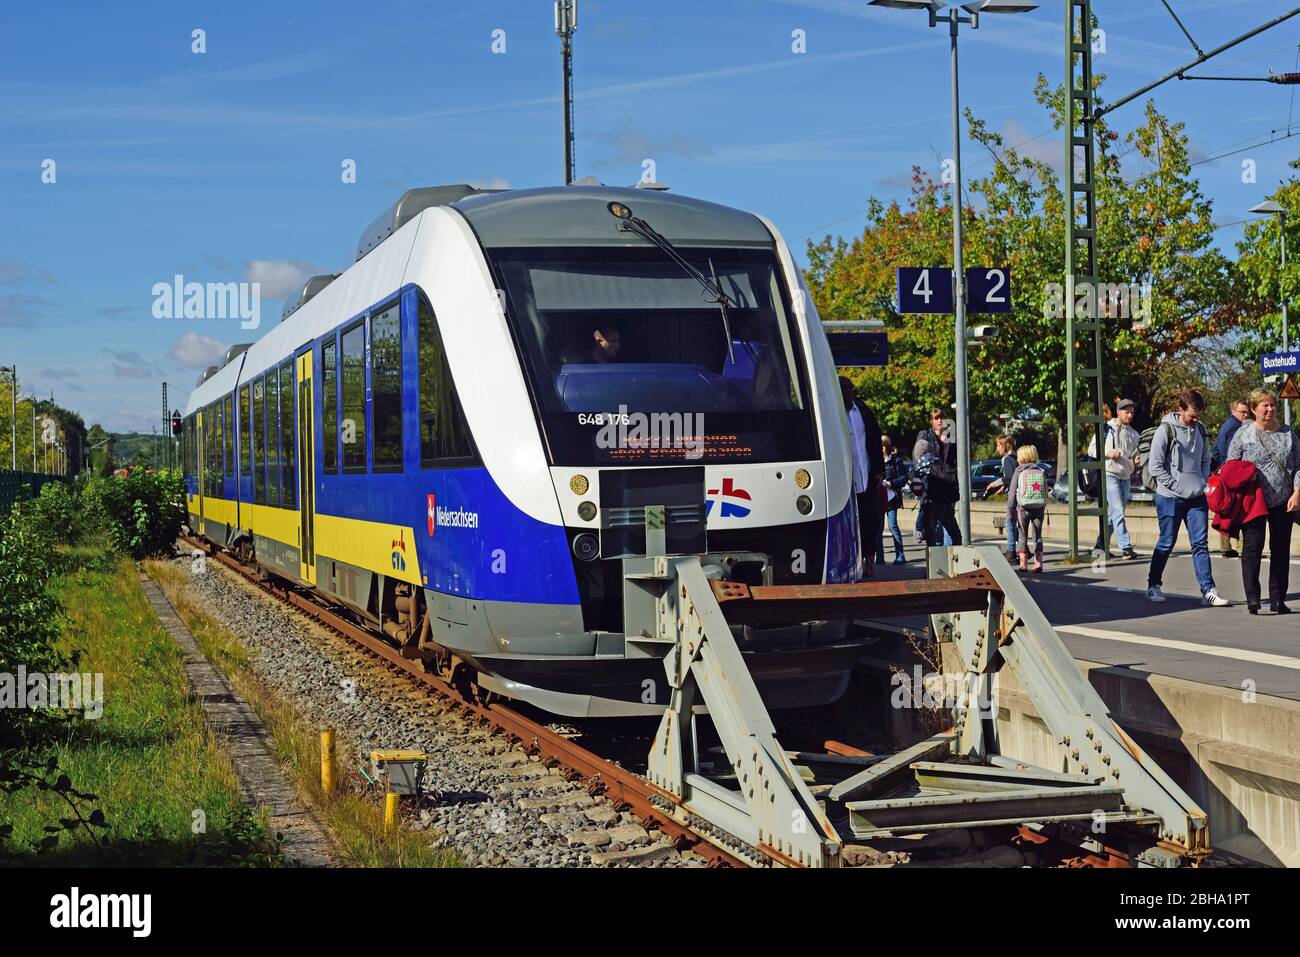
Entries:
{"x":203,"y":451}
{"x":306,"y":471}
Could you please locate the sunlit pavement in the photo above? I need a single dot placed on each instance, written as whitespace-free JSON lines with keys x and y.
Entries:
{"x":1102,"y":614}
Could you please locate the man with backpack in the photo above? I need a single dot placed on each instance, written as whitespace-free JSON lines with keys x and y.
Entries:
{"x":1179,"y":466}
{"x":1120,"y":451}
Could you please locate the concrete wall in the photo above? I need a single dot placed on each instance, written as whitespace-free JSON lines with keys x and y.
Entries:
{"x":1236,"y":754}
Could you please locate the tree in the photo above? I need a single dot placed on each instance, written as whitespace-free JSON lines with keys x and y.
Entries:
{"x":1154,"y":230}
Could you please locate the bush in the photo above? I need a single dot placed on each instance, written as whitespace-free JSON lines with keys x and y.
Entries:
{"x":143,"y":511}
{"x":58,"y":508}
{"x":29,"y":618}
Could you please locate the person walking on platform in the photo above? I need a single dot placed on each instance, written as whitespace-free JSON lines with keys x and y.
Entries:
{"x":1027,"y":498}
{"x":1240,"y":415}
{"x":938,"y":441}
{"x":1180,"y":465}
{"x":868,"y":472}
{"x":1120,"y":450}
{"x":1275,"y":453}
{"x":1007,"y":452}
{"x":895,"y":481}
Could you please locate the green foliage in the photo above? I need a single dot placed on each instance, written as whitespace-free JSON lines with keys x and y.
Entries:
{"x":1154,"y":228}
{"x":58,"y":508}
{"x":143,"y":511}
{"x":30,"y":619}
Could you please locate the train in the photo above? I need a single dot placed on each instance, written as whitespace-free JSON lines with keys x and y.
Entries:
{"x":456,"y":438}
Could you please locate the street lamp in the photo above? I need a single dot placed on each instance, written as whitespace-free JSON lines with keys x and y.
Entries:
{"x":13,"y":401}
{"x":1273,"y":208}
{"x":954,"y":18}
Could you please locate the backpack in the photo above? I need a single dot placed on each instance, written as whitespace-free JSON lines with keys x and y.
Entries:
{"x":941,"y":481}
{"x":1144,"y":450}
{"x":1144,"y":453}
{"x":1089,"y":479}
{"x":1031,"y":488}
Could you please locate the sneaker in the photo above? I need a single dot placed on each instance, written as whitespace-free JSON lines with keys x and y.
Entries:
{"x":1212,"y":599}
{"x":900,"y":559}
{"x":1130,"y":554}
{"x":1155,"y":594}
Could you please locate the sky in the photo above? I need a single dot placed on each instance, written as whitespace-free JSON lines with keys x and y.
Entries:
{"x":229,"y":165}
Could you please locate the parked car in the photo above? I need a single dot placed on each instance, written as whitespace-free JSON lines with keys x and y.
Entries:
{"x":982,"y":474}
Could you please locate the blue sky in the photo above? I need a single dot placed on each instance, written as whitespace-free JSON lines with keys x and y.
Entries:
{"x":225,"y":166}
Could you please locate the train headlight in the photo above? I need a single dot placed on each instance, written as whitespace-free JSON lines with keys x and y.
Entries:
{"x":804,"y":504}
{"x":619,"y":211}
{"x":586,"y":511}
{"x":578,"y":484}
{"x":587,"y":547}
{"x":803,"y":478}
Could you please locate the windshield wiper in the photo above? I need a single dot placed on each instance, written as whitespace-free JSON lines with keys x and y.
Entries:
{"x":639,"y":227}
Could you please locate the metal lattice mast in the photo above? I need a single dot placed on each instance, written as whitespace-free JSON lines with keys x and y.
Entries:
{"x":566,"y":21}
{"x":1083,"y":334}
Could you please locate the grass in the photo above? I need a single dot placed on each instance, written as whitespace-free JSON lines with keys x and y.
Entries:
{"x":354,"y":817}
{"x":157,"y":773}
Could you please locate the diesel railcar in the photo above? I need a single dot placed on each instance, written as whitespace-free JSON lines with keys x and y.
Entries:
{"x":456,"y":437}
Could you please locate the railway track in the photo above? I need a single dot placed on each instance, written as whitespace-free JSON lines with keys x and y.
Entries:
{"x":629,"y":792}
{"x":626,"y":790}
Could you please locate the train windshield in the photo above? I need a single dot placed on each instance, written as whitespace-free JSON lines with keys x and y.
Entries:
{"x":632,"y":362}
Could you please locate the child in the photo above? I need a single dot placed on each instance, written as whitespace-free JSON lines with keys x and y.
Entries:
{"x":1027,"y":500}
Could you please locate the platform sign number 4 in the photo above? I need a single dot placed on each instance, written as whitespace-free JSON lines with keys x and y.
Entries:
{"x":925,"y":290}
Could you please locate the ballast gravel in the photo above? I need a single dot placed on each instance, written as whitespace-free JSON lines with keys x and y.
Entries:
{"x":489,"y":800}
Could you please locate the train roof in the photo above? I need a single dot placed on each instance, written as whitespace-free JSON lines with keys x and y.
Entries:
{"x":579,"y":216}
{"x":575,"y":215}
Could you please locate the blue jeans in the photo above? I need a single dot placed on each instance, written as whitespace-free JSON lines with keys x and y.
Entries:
{"x":1172,"y":512}
{"x":1013,"y":528}
{"x":891,"y":517}
{"x":1117,"y":492}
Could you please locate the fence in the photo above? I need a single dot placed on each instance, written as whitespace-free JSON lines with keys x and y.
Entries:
{"x":11,"y":484}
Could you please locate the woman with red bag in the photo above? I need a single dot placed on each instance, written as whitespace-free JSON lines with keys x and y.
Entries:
{"x":1275,"y":453}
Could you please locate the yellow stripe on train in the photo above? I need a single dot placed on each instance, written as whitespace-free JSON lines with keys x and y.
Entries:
{"x":374,"y":546}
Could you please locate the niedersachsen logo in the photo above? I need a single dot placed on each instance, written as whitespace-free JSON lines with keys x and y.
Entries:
{"x":456,"y":518}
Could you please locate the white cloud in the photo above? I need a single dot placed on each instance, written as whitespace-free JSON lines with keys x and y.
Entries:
{"x":197,"y":352}
{"x":490,"y":182}
{"x":280,"y":278}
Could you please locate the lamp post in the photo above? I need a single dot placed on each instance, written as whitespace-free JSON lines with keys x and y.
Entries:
{"x":13,"y":403}
{"x":1273,"y":208}
{"x":954,"y":19}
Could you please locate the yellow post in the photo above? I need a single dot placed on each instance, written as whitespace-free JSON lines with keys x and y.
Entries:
{"x":390,"y":810}
{"x":327,"y":761}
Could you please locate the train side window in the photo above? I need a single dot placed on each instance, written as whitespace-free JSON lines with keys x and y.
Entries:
{"x":210,"y":444}
{"x":444,"y":435}
{"x":272,"y":440}
{"x":259,"y":451}
{"x":218,"y":471}
{"x":227,"y":413}
{"x":353,"y":425}
{"x":245,"y":442}
{"x":386,"y":389}
{"x":288,"y":476}
{"x":330,"y":405}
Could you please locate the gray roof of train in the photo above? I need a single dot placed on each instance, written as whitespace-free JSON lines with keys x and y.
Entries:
{"x":578,"y":216}
{"x":549,"y":216}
